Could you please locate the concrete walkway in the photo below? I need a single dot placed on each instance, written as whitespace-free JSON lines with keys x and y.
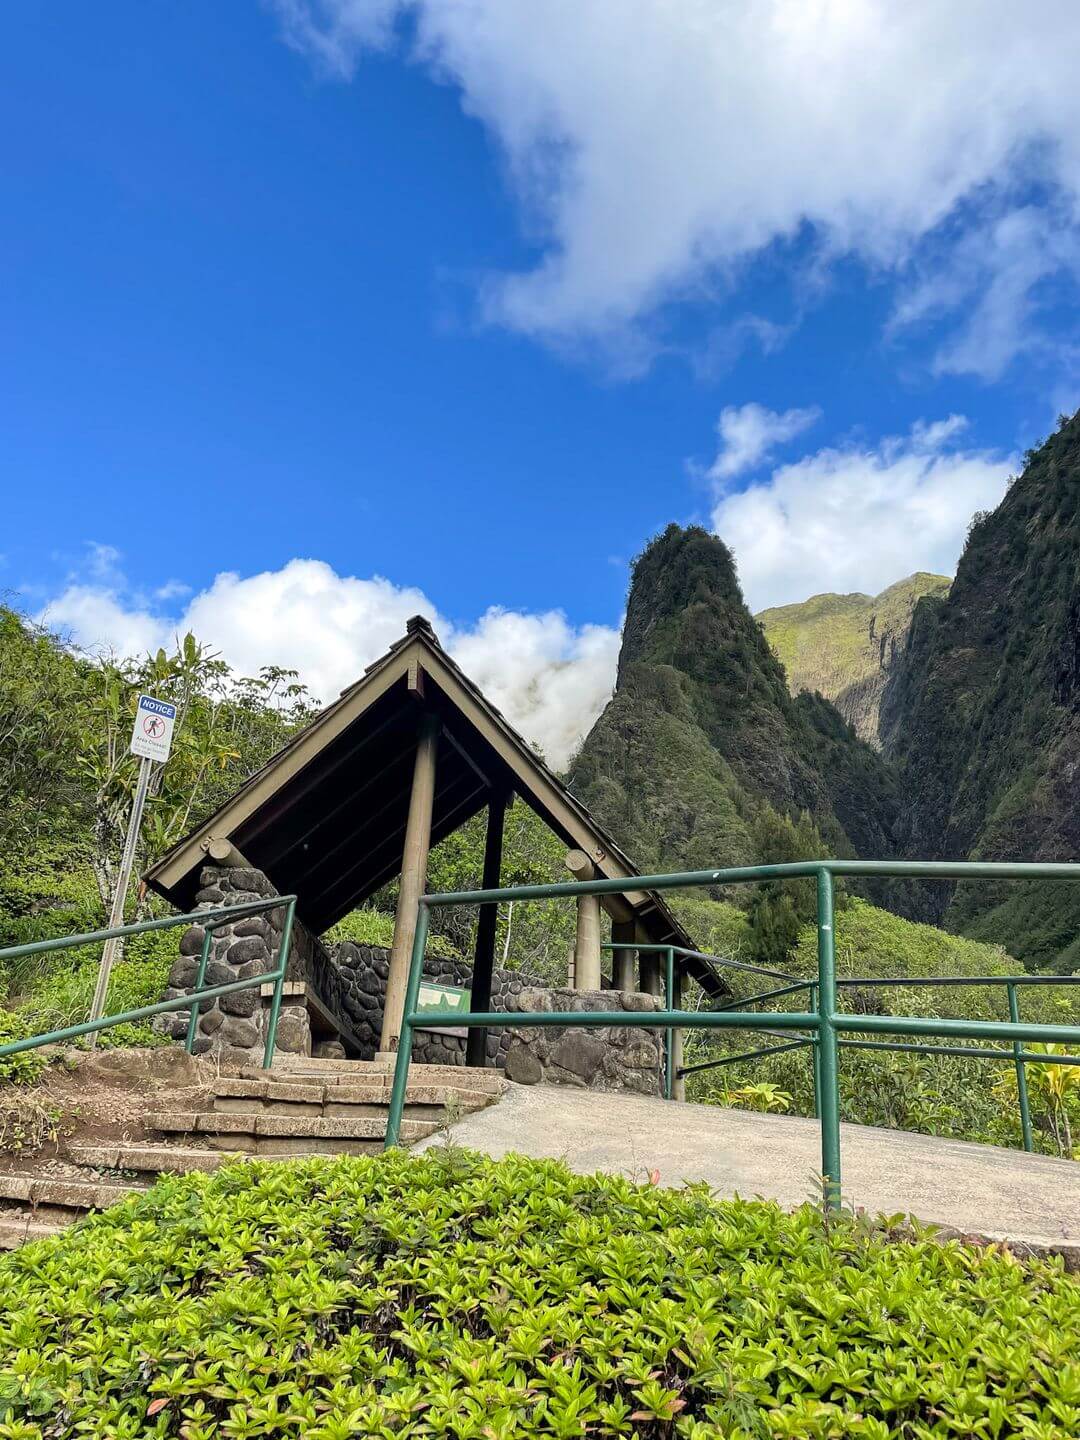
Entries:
{"x":977,"y":1189}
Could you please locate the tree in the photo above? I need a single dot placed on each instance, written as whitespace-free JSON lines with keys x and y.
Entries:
{"x":226,"y":728}
{"x":780,"y":909}
{"x":41,"y":691}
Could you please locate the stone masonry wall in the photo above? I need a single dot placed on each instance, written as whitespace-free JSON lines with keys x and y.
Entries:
{"x":349,"y":979}
{"x":612,"y":1058}
{"x":234,"y":1026}
{"x":363,"y":970}
{"x":231,"y":1025}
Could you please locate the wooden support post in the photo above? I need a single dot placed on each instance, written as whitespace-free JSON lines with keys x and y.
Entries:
{"x":413,"y":878}
{"x":224,"y":853}
{"x":622,"y":960}
{"x":484,"y":954}
{"x":652,"y":976}
{"x":678,"y":1085}
{"x":587,"y":949}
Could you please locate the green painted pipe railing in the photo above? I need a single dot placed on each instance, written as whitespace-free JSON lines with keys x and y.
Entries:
{"x":1020,"y":1057}
{"x":211,"y":920}
{"x":825,"y":1027}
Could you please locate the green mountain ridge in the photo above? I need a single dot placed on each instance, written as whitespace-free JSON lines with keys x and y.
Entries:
{"x":984,"y":713}
{"x":702,"y":742}
{"x":971,"y":692}
{"x":844,"y":647}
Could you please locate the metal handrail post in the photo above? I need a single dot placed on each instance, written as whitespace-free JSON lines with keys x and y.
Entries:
{"x":404,"y":1055}
{"x":200,"y":981}
{"x":1021,"y":1072}
{"x":279,"y":984}
{"x":669,"y":1034}
{"x":828,"y":1051}
{"x":815,"y":1051}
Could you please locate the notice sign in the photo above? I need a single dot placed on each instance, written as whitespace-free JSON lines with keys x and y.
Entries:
{"x":151,"y":739}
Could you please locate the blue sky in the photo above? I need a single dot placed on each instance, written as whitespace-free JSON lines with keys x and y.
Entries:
{"x":475,"y":297}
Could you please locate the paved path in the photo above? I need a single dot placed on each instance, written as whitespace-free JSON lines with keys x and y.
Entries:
{"x":974,"y":1188}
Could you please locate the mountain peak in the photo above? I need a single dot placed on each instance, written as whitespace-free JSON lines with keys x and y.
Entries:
{"x":701,"y":741}
{"x":682,"y":567}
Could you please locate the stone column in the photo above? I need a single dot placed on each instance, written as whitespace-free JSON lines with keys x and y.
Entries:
{"x":231,"y":1025}
{"x":413,"y":877}
{"x":587,"y":947}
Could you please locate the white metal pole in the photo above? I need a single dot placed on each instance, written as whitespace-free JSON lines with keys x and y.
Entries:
{"x":116,"y":915}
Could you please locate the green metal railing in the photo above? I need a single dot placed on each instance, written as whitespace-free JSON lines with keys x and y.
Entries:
{"x":211,"y":920}
{"x":1019,"y":1057}
{"x":822,"y":1025}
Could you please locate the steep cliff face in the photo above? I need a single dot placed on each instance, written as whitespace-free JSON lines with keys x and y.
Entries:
{"x":702,"y":735}
{"x":983,"y":713}
{"x":845,"y":646}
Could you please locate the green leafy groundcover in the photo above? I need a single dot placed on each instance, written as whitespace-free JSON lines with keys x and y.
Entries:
{"x":448,"y":1295}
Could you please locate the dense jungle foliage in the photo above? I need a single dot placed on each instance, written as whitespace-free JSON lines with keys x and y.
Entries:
{"x":66,"y":787}
{"x":983,"y":714}
{"x":449,"y":1295}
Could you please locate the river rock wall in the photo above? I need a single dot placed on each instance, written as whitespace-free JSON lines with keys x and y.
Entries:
{"x":363,"y":970}
{"x":349,"y":981}
{"x":604,"y":1058}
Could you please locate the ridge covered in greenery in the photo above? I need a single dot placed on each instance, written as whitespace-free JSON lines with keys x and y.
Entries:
{"x":448,"y":1295}
{"x":984,"y":713}
{"x":845,"y":646}
{"x":702,"y":745}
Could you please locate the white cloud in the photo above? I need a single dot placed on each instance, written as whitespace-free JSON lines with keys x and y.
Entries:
{"x":656,"y":143}
{"x":550,"y":679}
{"x":856,"y":519}
{"x":994,"y":274}
{"x":749,"y":433}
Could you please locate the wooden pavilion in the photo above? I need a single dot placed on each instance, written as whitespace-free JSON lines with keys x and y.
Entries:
{"x":404,"y":757}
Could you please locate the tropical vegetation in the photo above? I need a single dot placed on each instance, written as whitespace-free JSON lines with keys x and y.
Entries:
{"x":448,"y":1295}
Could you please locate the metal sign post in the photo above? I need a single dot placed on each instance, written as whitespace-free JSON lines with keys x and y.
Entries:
{"x":151,"y":740}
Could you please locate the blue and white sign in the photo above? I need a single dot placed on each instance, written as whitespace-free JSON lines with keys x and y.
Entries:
{"x":151,"y":738}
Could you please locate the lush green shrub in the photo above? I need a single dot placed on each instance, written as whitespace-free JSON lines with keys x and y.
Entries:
{"x":364,"y":927}
{"x":452,"y":1296}
{"x":24,"y":1068}
{"x":41,"y":900}
{"x":718,"y":927}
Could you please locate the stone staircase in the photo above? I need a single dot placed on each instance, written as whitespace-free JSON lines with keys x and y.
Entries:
{"x":301,"y":1107}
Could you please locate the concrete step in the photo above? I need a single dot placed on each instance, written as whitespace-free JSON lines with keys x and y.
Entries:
{"x":19,"y":1228}
{"x":370,"y":1071}
{"x":152,"y":1160}
{"x":263,"y":1134}
{"x":341,"y":1097}
{"x":65,"y":1193}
